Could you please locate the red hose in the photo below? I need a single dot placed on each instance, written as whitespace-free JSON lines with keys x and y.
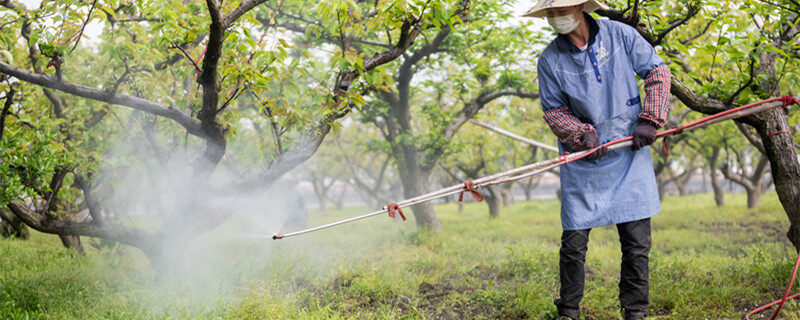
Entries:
{"x":781,"y":301}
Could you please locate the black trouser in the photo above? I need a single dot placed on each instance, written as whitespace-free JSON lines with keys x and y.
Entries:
{"x":634,"y":237}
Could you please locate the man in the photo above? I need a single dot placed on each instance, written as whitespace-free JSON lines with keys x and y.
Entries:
{"x":589,"y":93}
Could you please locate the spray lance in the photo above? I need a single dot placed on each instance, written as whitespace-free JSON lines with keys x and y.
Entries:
{"x":543,"y":166}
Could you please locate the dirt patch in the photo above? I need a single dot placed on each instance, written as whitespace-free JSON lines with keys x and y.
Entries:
{"x":481,"y":293}
{"x":476,"y":294}
{"x":341,"y":282}
{"x":770,"y":231}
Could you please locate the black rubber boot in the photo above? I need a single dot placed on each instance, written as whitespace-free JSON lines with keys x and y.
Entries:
{"x":633,"y":315}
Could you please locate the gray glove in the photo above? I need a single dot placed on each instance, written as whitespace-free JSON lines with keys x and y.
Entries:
{"x":644,"y":134}
{"x":589,"y":140}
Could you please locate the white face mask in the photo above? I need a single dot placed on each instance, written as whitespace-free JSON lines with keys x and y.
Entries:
{"x":563,"y":24}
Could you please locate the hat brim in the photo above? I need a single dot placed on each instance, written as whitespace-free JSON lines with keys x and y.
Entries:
{"x":541,"y":12}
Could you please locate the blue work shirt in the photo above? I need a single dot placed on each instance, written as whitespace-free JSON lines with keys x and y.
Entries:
{"x":599,"y":85}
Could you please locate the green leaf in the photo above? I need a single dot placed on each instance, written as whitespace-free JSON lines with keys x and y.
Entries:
{"x":681,"y":48}
{"x":7,"y":56}
{"x":47,"y":49}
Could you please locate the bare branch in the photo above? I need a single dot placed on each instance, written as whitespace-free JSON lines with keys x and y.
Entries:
{"x":214,"y":132}
{"x":467,"y":112}
{"x":114,"y":232}
{"x":693,"y":10}
{"x":10,"y":4}
{"x":240,"y":11}
{"x":698,"y":35}
{"x":735,"y":177}
{"x":301,"y":29}
{"x":95,"y":118}
{"x":747,"y":83}
{"x":751,"y":136}
{"x":80,"y":34}
{"x":188,"y":57}
{"x":406,"y":73}
{"x":310,"y":141}
{"x":6,"y":109}
{"x":780,"y":6}
{"x":191,"y":125}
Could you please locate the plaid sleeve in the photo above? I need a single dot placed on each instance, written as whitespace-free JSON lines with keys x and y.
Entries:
{"x":567,"y":126}
{"x":656,"y":102}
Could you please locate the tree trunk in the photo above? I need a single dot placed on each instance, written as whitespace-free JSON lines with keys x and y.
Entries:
{"x":661,"y":180}
{"x":338,"y":201}
{"x":320,"y":191}
{"x":426,"y":216}
{"x":719,"y":195}
{"x":662,"y":187}
{"x":493,"y":200}
{"x":12,"y":226}
{"x":72,"y":242}
{"x":529,"y":185}
{"x":527,"y":191}
{"x":753,"y":197}
{"x":322,"y":206}
{"x":784,"y":167}
{"x":682,"y":181}
{"x":508,"y":194}
{"x":415,"y":183}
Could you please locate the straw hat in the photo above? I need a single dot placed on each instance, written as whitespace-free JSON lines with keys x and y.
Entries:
{"x":540,"y":9}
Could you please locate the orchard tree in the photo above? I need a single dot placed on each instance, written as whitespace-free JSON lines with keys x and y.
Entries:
{"x":184,"y":76}
{"x":747,"y":167}
{"x":370,"y":168}
{"x":478,"y":154}
{"x":710,"y":143}
{"x":325,"y":172}
{"x":416,"y":124}
{"x":464,"y":68}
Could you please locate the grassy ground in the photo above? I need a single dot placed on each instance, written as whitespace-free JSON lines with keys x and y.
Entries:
{"x":706,"y":263}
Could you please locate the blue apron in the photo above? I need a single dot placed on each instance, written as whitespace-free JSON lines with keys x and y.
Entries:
{"x":599,"y":85}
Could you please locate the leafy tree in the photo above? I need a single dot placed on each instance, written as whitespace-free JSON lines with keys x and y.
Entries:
{"x":747,"y":167}
{"x":188,"y":74}
{"x":324,"y":171}
{"x":479,"y":154}
{"x":709,"y":143}
{"x":469,"y":67}
{"x":369,"y":166}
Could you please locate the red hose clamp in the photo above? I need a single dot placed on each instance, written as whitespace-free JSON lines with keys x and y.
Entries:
{"x":562,"y":158}
{"x":392,"y":208}
{"x":777,"y":133}
{"x":789,"y":100}
{"x":678,"y":130}
{"x":468,"y":186}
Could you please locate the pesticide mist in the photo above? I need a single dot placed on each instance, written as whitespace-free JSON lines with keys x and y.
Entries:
{"x":234,"y":253}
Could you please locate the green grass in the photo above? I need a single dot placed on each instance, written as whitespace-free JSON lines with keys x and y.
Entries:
{"x":706,"y":263}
